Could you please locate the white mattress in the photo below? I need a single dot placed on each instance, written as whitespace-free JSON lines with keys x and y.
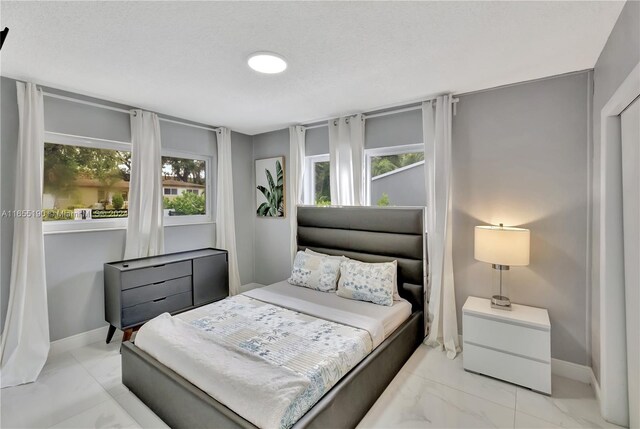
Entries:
{"x":327,"y":305}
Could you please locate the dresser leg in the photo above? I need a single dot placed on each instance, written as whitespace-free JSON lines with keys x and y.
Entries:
{"x":112,"y":330}
{"x":127,"y":335}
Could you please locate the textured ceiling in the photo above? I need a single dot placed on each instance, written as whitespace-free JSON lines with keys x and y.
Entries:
{"x":188,"y":59}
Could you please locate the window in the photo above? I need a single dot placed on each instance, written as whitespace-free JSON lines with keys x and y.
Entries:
{"x":170,"y":191}
{"x":86,"y":185}
{"x":185,"y":181}
{"x":317,"y":188}
{"x":85,"y":182}
{"x":393,"y":176}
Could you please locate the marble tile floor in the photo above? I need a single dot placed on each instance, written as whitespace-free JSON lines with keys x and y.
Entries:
{"x":82,"y":389}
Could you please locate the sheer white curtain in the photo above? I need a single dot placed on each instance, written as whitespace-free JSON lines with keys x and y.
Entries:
{"x":25,"y":339}
{"x":346,"y":156}
{"x":296,"y":170}
{"x":436,"y":124}
{"x":145,"y":232}
{"x":225,"y":218}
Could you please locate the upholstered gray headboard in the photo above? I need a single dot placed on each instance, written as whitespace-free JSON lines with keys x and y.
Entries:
{"x":371,"y":234}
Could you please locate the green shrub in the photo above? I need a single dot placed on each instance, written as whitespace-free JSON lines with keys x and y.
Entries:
{"x":188,"y":203}
{"x":323,"y":201}
{"x":117,"y":201}
{"x":384,"y":200}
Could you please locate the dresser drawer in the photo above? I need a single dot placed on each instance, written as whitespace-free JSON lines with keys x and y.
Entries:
{"x":154,"y":274}
{"x":142,"y":294}
{"x":142,"y":312}
{"x":518,"y":370}
{"x":509,"y":337}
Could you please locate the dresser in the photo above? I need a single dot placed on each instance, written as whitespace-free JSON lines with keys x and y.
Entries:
{"x":514,"y":346}
{"x":138,"y":290}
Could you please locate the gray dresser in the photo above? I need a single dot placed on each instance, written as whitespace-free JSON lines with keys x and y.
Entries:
{"x":138,"y":290}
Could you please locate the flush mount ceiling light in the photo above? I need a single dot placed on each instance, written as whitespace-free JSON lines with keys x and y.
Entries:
{"x":267,"y":62}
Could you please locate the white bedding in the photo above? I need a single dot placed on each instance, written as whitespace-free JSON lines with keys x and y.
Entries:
{"x":379,"y":320}
{"x":228,"y":374}
{"x":283,"y":346}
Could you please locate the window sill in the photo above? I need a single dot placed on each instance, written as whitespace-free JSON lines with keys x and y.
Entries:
{"x":63,"y":227}
{"x":189,"y":222}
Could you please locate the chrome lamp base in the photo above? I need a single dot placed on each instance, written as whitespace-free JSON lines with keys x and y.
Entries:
{"x":500,"y":302}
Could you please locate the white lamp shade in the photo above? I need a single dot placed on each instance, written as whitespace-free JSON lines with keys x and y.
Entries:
{"x":502,"y":245}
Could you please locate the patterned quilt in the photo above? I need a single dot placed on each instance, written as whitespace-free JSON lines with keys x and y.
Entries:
{"x":319,"y":350}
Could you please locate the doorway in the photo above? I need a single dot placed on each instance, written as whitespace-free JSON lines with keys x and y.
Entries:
{"x":630,"y":133}
{"x":619,"y":255}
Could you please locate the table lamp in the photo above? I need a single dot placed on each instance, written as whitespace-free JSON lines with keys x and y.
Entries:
{"x":503,"y":247}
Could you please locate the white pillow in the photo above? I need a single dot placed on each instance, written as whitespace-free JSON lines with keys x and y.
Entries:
{"x":396,"y":295}
{"x":315,"y":272}
{"x":367,"y":282}
{"x":324,"y":255}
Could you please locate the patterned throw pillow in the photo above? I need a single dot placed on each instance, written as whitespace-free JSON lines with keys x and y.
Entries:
{"x":367,"y":282}
{"x":396,"y":295}
{"x":315,"y":272}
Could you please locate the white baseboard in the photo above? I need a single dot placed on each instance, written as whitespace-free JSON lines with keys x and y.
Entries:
{"x":250,"y":286}
{"x":80,"y":340}
{"x":573,"y":371}
{"x":576,"y":372}
{"x":595,"y":385}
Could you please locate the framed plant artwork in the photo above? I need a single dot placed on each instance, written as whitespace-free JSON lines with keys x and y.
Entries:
{"x":270,"y":187}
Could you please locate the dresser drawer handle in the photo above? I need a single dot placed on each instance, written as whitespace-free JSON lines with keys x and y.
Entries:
{"x":159,"y":283}
{"x":160,"y":299}
{"x":158,"y":266}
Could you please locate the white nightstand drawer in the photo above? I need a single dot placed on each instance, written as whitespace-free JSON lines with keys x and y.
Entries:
{"x":525,"y":372}
{"x":509,"y":337}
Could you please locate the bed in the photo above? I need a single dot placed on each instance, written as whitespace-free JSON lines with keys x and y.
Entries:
{"x":374,"y":341}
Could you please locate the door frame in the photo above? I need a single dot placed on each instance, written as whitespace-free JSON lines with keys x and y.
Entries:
{"x":614,"y":401}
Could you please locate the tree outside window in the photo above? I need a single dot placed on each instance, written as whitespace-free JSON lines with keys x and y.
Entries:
{"x":322,"y":189}
{"x":184,"y":186}
{"x":385,"y":164}
{"x":83,"y":180}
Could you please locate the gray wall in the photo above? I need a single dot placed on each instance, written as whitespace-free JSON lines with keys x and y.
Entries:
{"x":271,"y":241}
{"x":620,"y":55}
{"x":316,"y":141}
{"x":272,"y":262}
{"x":243,"y":203}
{"x":520,"y":158}
{"x":404,"y":188}
{"x":393,"y":130}
{"x":74,"y":260}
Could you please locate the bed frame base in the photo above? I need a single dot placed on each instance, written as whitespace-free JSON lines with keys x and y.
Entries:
{"x":182,"y":405}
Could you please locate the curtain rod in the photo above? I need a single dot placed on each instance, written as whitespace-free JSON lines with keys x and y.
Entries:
{"x":385,"y":113}
{"x":116,"y":109}
{"x":88,"y":103}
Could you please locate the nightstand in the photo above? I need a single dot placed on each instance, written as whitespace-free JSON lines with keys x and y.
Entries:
{"x":514,"y":346}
